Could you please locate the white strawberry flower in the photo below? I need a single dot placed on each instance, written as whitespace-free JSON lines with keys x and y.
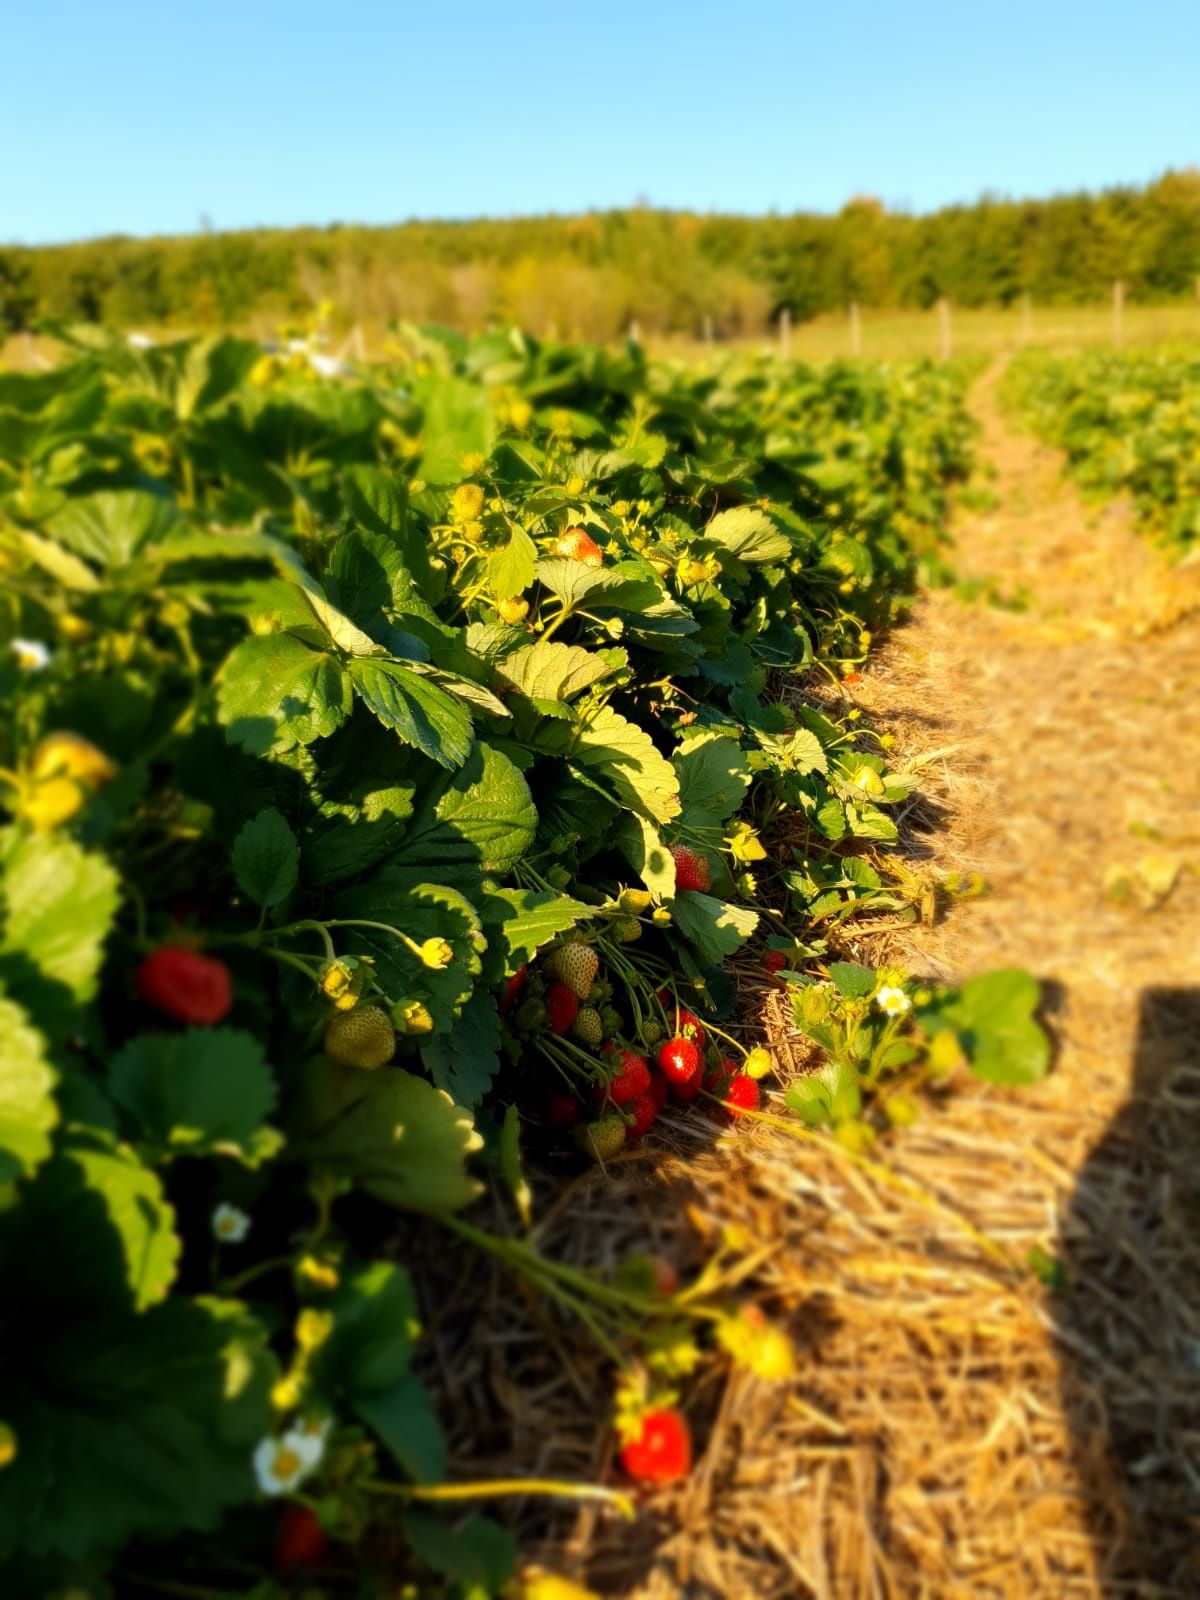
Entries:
{"x":307,"y":1439}
{"x":893,"y":1002}
{"x":32,"y":655}
{"x":279,"y":1466}
{"x":229,"y":1224}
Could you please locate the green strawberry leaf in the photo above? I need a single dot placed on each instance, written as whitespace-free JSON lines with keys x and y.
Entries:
{"x":481,"y":820}
{"x":714,"y":928}
{"x":28,"y":1113}
{"x":625,"y":760}
{"x":404,"y":1142}
{"x":749,"y":534}
{"x":274,"y":692}
{"x":518,"y":922}
{"x":203,"y":1092}
{"x":57,"y":903}
{"x":852,"y":981}
{"x":421,"y":911}
{"x":419,"y":712}
{"x":464,"y":1061}
{"x":266,"y":859}
{"x":548,"y":670}
{"x":714,"y":776}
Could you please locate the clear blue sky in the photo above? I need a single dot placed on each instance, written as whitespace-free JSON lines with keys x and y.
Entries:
{"x":146,"y":118}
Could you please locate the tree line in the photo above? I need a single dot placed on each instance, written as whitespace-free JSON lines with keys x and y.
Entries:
{"x":593,"y":274}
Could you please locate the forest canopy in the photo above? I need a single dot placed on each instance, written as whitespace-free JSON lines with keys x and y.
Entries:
{"x":591,"y":275}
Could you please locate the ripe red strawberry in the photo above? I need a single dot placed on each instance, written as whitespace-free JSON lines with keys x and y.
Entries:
{"x":686,"y":1023}
{"x":512,"y":989}
{"x":561,"y":1110}
{"x":691,"y":870}
{"x":631,"y":1079}
{"x":718,"y":1078}
{"x":362,"y":1038}
{"x":643,"y":1109}
{"x":742,"y":1095}
{"x":576,"y":545}
{"x":575,"y":964}
{"x":659,"y":1089}
{"x":774,"y":960}
{"x":666,"y":1279}
{"x":562,"y":1007}
{"x":680,"y":1060}
{"x":689,"y":1088}
{"x":300,"y":1540}
{"x":662,"y":1450}
{"x":186,"y":985}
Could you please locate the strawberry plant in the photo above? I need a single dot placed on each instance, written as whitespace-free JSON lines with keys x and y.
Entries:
{"x":385,"y":761}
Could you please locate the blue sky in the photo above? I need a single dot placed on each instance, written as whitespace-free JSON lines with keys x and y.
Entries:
{"x":146,"y":118}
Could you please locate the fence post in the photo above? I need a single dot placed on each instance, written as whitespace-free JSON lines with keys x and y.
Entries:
{"x":946,"y":336}
{"x":785,"y":333}
{"x":708,"y":329}
{"x":1118,"y":313}
{"x":855,"y":330}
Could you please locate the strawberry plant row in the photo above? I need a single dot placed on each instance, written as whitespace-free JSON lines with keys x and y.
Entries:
{"x":1129,"y":424}
{"x":392,"y":761}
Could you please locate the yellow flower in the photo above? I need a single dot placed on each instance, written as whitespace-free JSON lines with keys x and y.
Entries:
{"x":287,"y":1393}
{"x":343,"y":981}
{"x":466,"y":502}
{"x":472,"y":463}
{"x":48,"y":804}
{"x":313,"y":1328}
{"x":520,"y":414}
{"x":66,"y":755}
{"x":319,"y":1273}
{"x":575,"y":487}
{"x":745,"y":845}
{"x":74,"y":629}
{"x":757,"y":1345}
{"x":436,"y":954}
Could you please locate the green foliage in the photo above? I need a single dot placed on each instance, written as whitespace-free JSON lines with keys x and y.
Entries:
{"x":1130,"y":424}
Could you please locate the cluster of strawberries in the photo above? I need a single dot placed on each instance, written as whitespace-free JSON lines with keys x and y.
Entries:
{"x":627,"y":1088}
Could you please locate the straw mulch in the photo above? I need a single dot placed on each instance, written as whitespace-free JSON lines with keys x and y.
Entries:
{"x":958,"y":1426}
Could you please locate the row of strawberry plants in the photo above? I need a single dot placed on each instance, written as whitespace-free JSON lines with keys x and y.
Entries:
{"x":1129,"y":424}
{"x":389,"y":760}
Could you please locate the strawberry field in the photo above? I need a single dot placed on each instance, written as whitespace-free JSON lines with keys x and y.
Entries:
{"x":1129,"y":424}
{"x":393,"y":762}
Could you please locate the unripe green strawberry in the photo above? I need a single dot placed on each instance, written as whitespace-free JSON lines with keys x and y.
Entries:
{"x":604,"y":1138}
{"x":531,"y":1014}
{"x":575,"y":964}
{"x":627,"y":929}
{"x":588,"y":1026}
{"x":652,"y":1031}
{"x":611,"y":1018}
{"x":361,"y":1038}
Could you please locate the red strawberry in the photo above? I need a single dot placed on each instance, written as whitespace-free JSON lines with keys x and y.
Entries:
{"x":561,"y":1110}
{"x":680,"y":1060}
{"x":662,"y":1450}
{"x":718,"y":1078}
{"x":631,"y":1080}
{"x":561,"y":1007}
{"x":742,"y":1095}
{"x":576,"y":545}
{"x":300,"y":1540}
{"x":186,"y":985}
{"x":690,"y":1087}
{"x":644,"y":1109}
{"x":512,"y":989}
{"x":666,"y":1279}
{"x":659,"y":1089}
{"x":774,"y":960}
{"x":691,"y":870}
{"x":687,"y":1024}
